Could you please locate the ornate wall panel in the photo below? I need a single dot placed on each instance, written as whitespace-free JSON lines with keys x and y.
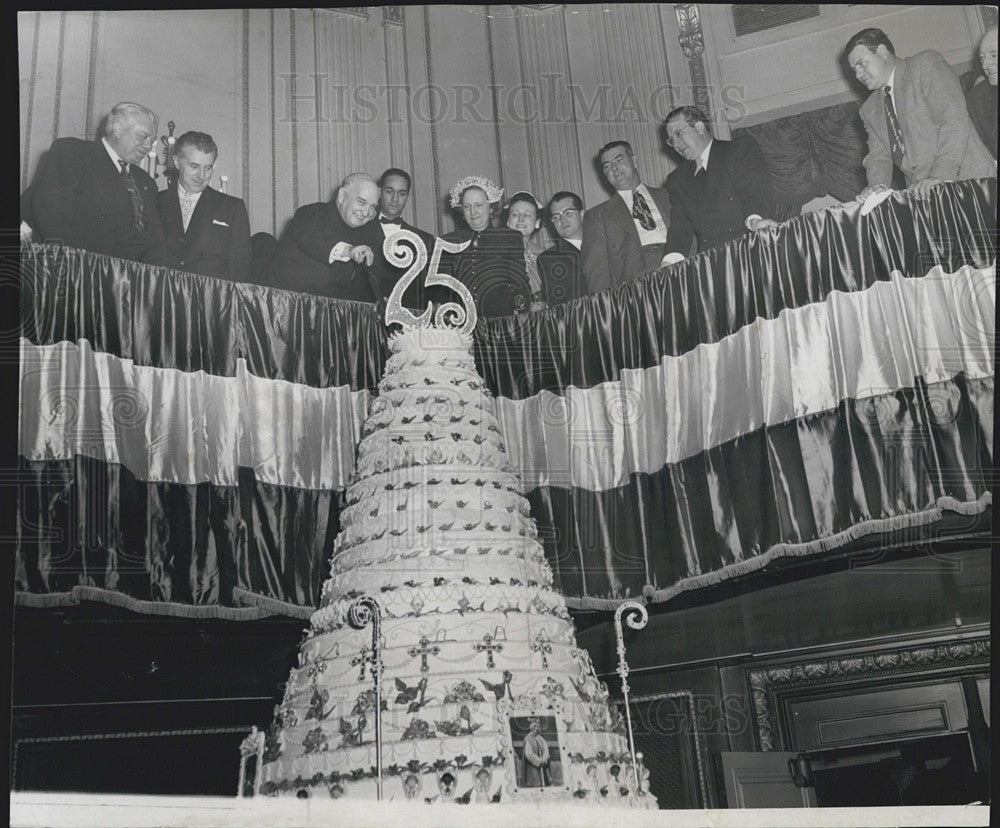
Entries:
{"x":767,"y":684}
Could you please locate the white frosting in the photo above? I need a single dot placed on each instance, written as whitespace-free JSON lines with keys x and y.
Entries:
{"x":436,"y":528}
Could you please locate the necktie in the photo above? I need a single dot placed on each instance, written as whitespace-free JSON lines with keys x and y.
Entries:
{"x":895,"y":133}
{"x":640,"y":211}
{"x":187,"y":208}
{"x":385,"y":220}
{"x":138,"y":213}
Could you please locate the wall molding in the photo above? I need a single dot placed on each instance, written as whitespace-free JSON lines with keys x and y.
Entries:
{"x":768,"y":683}
{"x":692,"y":42}
{"x":687,"y":696}
{"x":60,"y":60}
{"x":32,"y":79}
{"x":137,"y":734}
{"x":245,"y":93}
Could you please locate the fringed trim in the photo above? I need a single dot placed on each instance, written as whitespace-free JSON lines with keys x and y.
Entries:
{"x":787,"y":550}
{"x":119,"y":599}
{"x":271,"y":606}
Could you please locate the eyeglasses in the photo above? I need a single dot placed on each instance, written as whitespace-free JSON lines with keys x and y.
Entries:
{"x":672,"y":139}
{"x":564,"y":214}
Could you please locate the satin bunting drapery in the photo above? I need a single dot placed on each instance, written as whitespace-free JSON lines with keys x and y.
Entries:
{"x":185,"y":441}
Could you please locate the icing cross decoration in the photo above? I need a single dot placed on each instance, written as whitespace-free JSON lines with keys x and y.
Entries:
{"x":362,"y":658}
{"x":488,"y":646}
{"x":399,"y":252}
{"x":542,"y":645}
{"x":423,"y":651}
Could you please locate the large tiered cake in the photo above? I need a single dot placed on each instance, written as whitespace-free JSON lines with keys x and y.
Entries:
{"x":435,"y":528}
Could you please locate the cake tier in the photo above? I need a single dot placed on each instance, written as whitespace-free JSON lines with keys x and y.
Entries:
{"x":593,"y":771}
{"x":439,"y":501}
{"x":440,"y":452}
{"x":385,"y":553}
{"x":451,"y":481}
{"x":442,"y":644}
{"x":409,"y":599}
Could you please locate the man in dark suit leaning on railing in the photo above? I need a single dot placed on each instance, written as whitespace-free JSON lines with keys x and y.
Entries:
{"x":326,"y":248}
{"x":95,"y":195}
{"x":721,"y":190}
{"x":206,"y":231}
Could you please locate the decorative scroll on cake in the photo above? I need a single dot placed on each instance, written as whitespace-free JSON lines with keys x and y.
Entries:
{"x":487,"y":696}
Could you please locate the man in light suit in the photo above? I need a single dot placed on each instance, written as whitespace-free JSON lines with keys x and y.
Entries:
{"x":394,"y":191}
{"x":559,"y":266}
{"x":205,"y":231}
{"x":325,"y":244}
{"x":95,"y":195}
{"x":722,"y":189}
{"x":623,"y":237}
{"x":915,"y":118}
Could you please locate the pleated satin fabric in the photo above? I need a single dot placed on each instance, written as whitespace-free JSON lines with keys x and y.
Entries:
{"x":185,"y":441}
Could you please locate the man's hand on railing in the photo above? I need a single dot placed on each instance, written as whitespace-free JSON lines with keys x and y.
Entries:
{"x":361,"y":253}
{"x":757,"y":224}
{"x":922,"y":188}
{"x":870,"y":191}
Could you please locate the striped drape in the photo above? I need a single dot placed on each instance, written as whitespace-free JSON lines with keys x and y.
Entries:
{"x":185,"y":442}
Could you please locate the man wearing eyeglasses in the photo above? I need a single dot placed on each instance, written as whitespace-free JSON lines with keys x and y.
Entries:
{"x":720,"y":191}
{"x":559,"y":266}
{"x":623,"y":237}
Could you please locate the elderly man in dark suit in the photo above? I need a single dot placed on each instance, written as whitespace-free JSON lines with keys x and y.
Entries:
{"x":721,"y":190}
{"x":623,"y":237}
{"x":205,"y":231}
{"x":915,"y":118}
{"x":559,"y":266}
{"x":394,"y":191}
{"x":95,"y":195}
{"x":982,"y":98}
{"x":325,"y":244}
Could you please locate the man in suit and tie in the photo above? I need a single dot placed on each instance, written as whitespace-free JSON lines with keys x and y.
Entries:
{"x":205,"y":231}
{"x":559,"y":266}
{"x":95,"y":195}
{"x":623,"y":237}
{"x":915,"y":118}
{"x":721,"y":190}
{"x":981,"y":99}
{"x":324,"y":244}
{"x":394,"y":190}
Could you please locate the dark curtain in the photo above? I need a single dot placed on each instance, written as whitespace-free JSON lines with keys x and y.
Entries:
{"x":812,"y":154}
{"x":185,"y":442}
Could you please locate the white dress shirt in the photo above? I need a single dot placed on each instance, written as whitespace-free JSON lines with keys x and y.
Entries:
{"x":115,"y":157}
{"x":188,"y":202}
{"x":658,"y":235}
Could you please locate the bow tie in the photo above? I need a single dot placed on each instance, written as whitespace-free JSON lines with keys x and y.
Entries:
{"x":385,"y":220}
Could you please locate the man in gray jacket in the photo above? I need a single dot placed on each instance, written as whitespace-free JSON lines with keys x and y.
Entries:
{"x":915,"y":117}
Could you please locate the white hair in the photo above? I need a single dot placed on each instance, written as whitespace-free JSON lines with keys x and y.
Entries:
{"x":356,"y":178}
{"x":124,"y":113}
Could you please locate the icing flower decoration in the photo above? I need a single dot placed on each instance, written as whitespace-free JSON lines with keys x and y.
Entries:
{"x":493,"y":193}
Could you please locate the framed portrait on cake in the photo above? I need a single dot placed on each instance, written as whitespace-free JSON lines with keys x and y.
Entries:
{"x":536,"y":746}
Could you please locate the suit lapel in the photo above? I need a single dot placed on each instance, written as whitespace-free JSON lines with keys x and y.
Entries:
{"x":173,"y":221}
{"x":623,"y":218}
{"x":902,"y":90}
{"x":202,"y":215}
